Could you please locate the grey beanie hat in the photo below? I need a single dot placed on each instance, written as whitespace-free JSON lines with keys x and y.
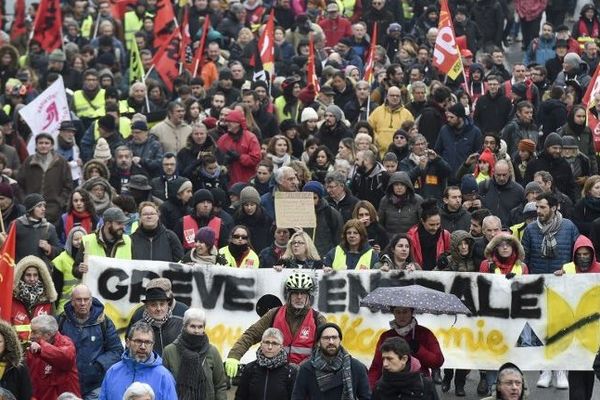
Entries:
{"x":336,"y":111}
{"x":249,"y":195}
{"x":573,"y":59}
{"x":553,"y":139}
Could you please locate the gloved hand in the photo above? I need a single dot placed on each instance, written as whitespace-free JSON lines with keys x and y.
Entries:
{"x":414,"y":346}
{"x":510,"y":275}
{"x":233,"y":155}
{"x":231,"y":367}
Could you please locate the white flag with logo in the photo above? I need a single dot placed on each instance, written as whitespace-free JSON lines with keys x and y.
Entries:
{"x":46,"y":112}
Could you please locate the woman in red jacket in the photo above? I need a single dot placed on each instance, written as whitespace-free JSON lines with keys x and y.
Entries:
{"x":428,"y":239}
{"x":33,"y":294}
{"x":423,"y":344}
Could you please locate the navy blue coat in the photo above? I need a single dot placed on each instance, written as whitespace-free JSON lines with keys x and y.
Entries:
{"x":96,"y":352}
{"x":455,"y":146}
{"x":532,"y":243}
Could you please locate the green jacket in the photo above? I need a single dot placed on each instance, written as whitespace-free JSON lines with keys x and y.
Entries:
{"x":216,"y":382}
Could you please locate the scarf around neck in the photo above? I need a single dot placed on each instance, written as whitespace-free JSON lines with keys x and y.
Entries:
{"x":30,"y":295}
{"x":405,"y":330}
{"x":191,"y":382}
{"x":277,"y":361}
{"x":83,"y":218}
{"x":334,"y":372}
{"x":156,"y":322}
{"x":549,"y":231}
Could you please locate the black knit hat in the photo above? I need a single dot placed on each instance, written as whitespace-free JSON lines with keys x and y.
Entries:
{"x":553,"y":139}
{"x":202,"y":195}
{"x":322,"y":327}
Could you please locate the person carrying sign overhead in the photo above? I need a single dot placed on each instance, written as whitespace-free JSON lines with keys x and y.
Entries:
{"x":297,"y":320}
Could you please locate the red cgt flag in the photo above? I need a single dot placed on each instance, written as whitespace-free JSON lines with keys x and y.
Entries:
{"x":199,"y":56}
{"x":446,"y":57}
{"x":7,"y":265}
{"x":266,"y":46}
{"x":371,"y":57}
{"x":163,"y":23}
{"x":185,"y":50}
{"x":119,"y":7}
{"x":311,"y":74}
{"x":590,"y":99}
{"x":18,"y":26}
{"x":166,"y":60}
{"x":48,"y":24}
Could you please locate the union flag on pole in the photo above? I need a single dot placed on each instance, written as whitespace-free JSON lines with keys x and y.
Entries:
{"x":7,"y":265}
{"x":166,"y":60}
{"x":371,"y":57}
{"x":199,"y":55}
{"x":590,"y":100}
{"x":185,"y":50}
{"x":446,"y":57}
{"x":47,"y":27}
{"x":266,"y":46}
{"x":163,"y":23}
{"x":311,"y":74}
{"x":18,"y":26}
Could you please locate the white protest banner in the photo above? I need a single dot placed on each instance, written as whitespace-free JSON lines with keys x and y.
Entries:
{"x":295,"y":209}
{"x":46,"y":112}
{"x":563,"y":312}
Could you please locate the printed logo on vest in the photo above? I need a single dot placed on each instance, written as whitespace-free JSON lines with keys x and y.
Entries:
{"x":305,"y":333}
{"x":189,"y":235}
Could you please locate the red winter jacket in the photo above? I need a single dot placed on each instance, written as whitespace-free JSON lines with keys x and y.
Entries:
{"x":335,"y":30}
{"x":53,"y":370}
{"x":247,"y":146}
{"x":429,"y":354}
{"x":21,"y":319}
{"x":443,"y":244}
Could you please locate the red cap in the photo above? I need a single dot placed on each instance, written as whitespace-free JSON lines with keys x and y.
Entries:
{"x":466,"y":53}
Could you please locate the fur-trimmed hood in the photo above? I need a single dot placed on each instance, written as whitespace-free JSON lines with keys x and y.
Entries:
{"x":50,"y":294}
{"x":13,"y":353}
{"x":516,"y":245}
{"x":98,"y":164}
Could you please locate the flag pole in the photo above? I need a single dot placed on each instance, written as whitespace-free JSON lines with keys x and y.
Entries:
{"x":2,"y":222}
{"x":97,"y":25}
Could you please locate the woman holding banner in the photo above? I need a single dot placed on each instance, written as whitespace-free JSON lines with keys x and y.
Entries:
{"x":300,"y":252}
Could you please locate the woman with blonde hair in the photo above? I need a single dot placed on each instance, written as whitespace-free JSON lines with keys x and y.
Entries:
{"x":300,"y":253}
{"x":353,"y":252}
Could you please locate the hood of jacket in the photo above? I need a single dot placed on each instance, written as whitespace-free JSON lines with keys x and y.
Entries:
{"x":13,"y":353}
{"x":587,"y":7}
{"x":94,"y":163}
{"x":455,"y":238}
{"x":583,"y":241}
{"x":476,"y":67}
{"x":33,"y":261}
{"x":154,"y":361}
{"x":97,"y":180}
{"x":69,"y":241}
{"x":403,"y":178}
{"x":489,"y":249}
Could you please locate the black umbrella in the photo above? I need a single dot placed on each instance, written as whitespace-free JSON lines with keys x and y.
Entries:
{"x":422,"y":299}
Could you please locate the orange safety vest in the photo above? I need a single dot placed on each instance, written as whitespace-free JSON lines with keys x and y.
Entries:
{"x":299,"y":347}
{"x":190,"y":227}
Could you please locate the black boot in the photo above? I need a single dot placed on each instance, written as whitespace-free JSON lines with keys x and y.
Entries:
{"x":436,"y":376}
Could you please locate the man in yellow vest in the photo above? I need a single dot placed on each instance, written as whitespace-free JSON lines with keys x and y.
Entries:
{"x":107,"y":241}
{"x":88,"y":101}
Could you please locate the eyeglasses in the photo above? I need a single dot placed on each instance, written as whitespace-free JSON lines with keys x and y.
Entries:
{"x":297,"y":243}
{"x":271,"y":344}
{"x":140,"y":342}
{"x":330,"y":338}
{"x":242,"y":237}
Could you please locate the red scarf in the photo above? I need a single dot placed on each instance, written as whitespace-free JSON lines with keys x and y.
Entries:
{"x":507,"y":265}
{"x":81,"y":218}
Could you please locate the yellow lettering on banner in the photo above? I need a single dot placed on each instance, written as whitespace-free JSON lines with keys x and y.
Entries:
{"x":356,"y":340}
{"x":564,"y":325}
{"x":478,"y":341}
{"x":223,"y":336}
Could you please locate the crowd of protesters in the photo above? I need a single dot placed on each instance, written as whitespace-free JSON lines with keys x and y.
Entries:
{"x":494,"y":172}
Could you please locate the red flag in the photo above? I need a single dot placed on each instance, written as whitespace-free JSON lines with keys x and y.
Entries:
{"x":185,"y":50}
{"x":119,"y":7}
{"x":199,"y":56}
{"x":18,"y":26}
{"x":311,"y":74}
{"x":371,"y":57}
{"x":163,"y":23}
{"x":48,"y":24}
{"x":7,"y":265}
{"x":446,"y":57}
{"x":166,"y":60}
{"x":266,"y":46}
{"x":590,"y":99}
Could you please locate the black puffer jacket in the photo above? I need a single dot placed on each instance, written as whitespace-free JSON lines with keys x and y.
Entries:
{"x":161,"y":244}
{"x":259,"y":382}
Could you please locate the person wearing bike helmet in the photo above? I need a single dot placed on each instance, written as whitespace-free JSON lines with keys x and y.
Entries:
{"x":296,"y":319}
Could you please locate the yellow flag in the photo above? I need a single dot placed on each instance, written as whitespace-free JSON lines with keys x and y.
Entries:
{"x":136,"y":68}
